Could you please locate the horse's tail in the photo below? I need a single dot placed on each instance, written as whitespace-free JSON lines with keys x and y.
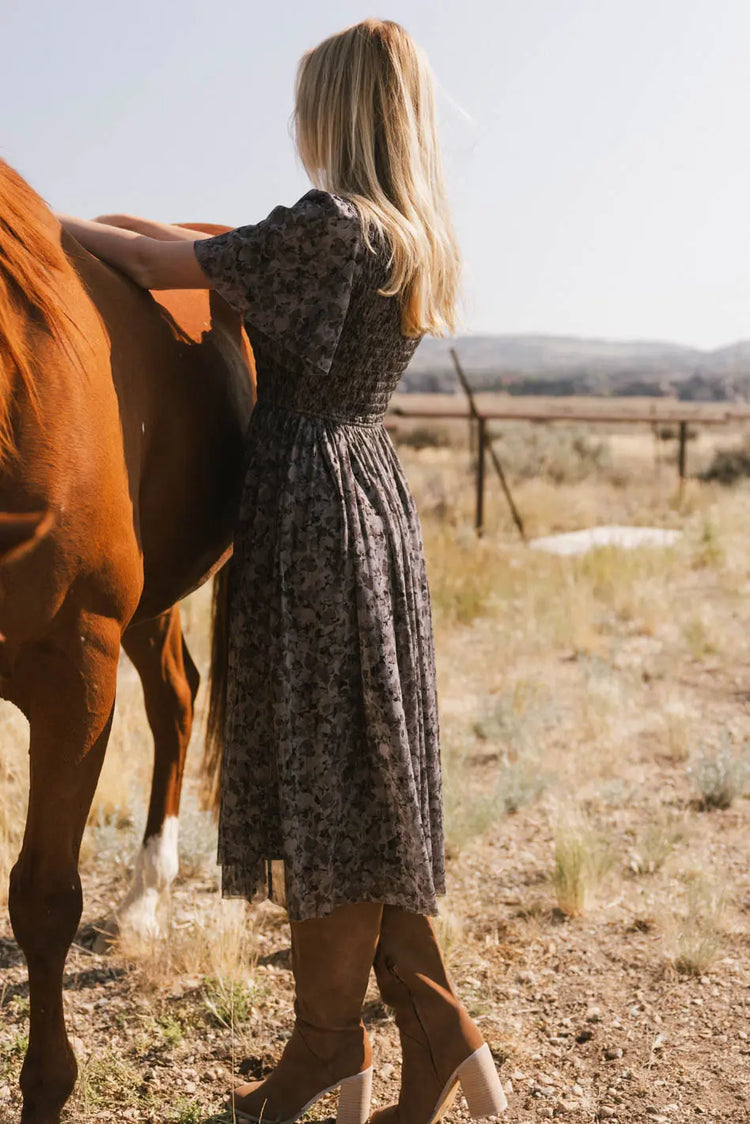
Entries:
{"x":217,"y":687}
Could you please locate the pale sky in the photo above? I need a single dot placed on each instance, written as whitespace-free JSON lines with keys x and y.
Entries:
{"x":596,"y":150}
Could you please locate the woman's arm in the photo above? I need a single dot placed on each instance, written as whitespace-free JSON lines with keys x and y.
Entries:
{"x":150,"y":262}
{"x":162,"y":231}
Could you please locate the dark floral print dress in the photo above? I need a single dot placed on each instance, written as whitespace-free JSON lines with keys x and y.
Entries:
{"x":331,"y":760}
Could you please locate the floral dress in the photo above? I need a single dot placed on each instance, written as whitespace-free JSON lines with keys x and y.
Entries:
{"x":331,"y":760}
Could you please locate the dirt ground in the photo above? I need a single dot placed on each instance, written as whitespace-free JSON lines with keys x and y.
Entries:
{"x":596,"y":723}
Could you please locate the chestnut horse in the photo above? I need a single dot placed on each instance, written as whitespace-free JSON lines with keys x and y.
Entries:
{"x":122,"y":419}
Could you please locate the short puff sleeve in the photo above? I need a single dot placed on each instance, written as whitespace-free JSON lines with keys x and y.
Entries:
{"x":290,"y":276}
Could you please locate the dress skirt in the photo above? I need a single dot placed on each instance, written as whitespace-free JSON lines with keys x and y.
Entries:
{"x":331,"y":760}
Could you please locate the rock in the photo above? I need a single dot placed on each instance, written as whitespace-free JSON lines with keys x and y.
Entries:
{"x":594,"y":1015}
{"x":612,"y":1053}
{"x":578,"y":1090}
{"x":607,"y":1112}
{"x":543,"y":1091}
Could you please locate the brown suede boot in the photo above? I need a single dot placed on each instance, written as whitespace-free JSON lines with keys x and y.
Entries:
{"x":331,"y":961}
{"x":440,"y":1044}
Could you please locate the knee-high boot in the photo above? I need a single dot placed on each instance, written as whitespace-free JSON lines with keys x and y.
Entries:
{"x":331,"y":961}
{"x":442,"y":1048}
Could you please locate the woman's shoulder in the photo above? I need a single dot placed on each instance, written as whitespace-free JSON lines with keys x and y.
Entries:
{"x":323,"y":223}
{"x":317,"y":203}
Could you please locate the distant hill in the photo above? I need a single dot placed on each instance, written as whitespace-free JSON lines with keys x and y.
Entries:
{"x":569,"y":365}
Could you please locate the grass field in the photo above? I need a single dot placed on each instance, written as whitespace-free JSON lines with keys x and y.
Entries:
{"x":595,"y":716}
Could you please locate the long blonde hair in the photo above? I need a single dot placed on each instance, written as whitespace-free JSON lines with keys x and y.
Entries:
{"x":365,"y":129}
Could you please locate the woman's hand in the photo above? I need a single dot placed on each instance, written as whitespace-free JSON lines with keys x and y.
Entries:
{"x":152,"y":262}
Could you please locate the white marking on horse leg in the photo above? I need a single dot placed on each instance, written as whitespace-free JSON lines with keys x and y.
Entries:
{"x":155,"y":869}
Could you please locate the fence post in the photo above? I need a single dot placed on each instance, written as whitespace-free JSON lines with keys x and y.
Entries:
{"x":481,"y":443}
{"x":682,"y":455}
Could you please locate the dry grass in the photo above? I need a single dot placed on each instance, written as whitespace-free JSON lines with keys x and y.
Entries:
{"x":696,"y":930}
{"x":13,"y":784}
{"x":657,"y":842}
{"x":220,"y":946}
{"x":585,"y":705}
{"x":583,"y":857}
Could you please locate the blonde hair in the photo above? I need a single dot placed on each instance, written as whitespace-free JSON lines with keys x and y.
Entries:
{"x":366,"y":130}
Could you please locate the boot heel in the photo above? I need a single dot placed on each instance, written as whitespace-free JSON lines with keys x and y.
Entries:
{"x":481,"y":1084}
{"x":354,"y":1099}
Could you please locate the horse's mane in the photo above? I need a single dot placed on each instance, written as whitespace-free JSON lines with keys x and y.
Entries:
{"x":31,"y":261}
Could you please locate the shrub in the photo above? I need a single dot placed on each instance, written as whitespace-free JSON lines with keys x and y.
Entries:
{"x":423,"y":437}
{"x":729,"y":465}
{"x":564,"y":455}
{"x":719,"y":776}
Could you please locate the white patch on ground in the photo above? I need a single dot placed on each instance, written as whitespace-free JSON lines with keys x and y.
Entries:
{"x":627,"y":538}
{"x":155,"y":869}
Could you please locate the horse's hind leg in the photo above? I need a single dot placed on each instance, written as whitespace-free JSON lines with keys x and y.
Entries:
{"x":69,"y":689}
{"x":170,"y":682}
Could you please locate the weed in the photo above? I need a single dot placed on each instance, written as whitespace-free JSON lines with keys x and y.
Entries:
{"x":186,"y":1112}
{"x":107,"y":1078}
{"x":656,"y":843}
{"x":171,"y":1029}
{"x":698,"y":638}
{"x":16,"y":1047}
{"x":698,"y":937}
{"x":227,"y":1001}
{"x":678,"y":728}
{"x":515,"y":716}
{"x":582,"y":858}
{"x":708,"y":551}
{"x":519,"y":780}
{"x":19,"y":1005}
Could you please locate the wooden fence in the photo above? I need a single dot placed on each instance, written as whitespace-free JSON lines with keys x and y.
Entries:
{"x":662,"y":413}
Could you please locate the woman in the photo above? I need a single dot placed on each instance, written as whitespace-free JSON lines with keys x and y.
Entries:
{"x":331,"y":758}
